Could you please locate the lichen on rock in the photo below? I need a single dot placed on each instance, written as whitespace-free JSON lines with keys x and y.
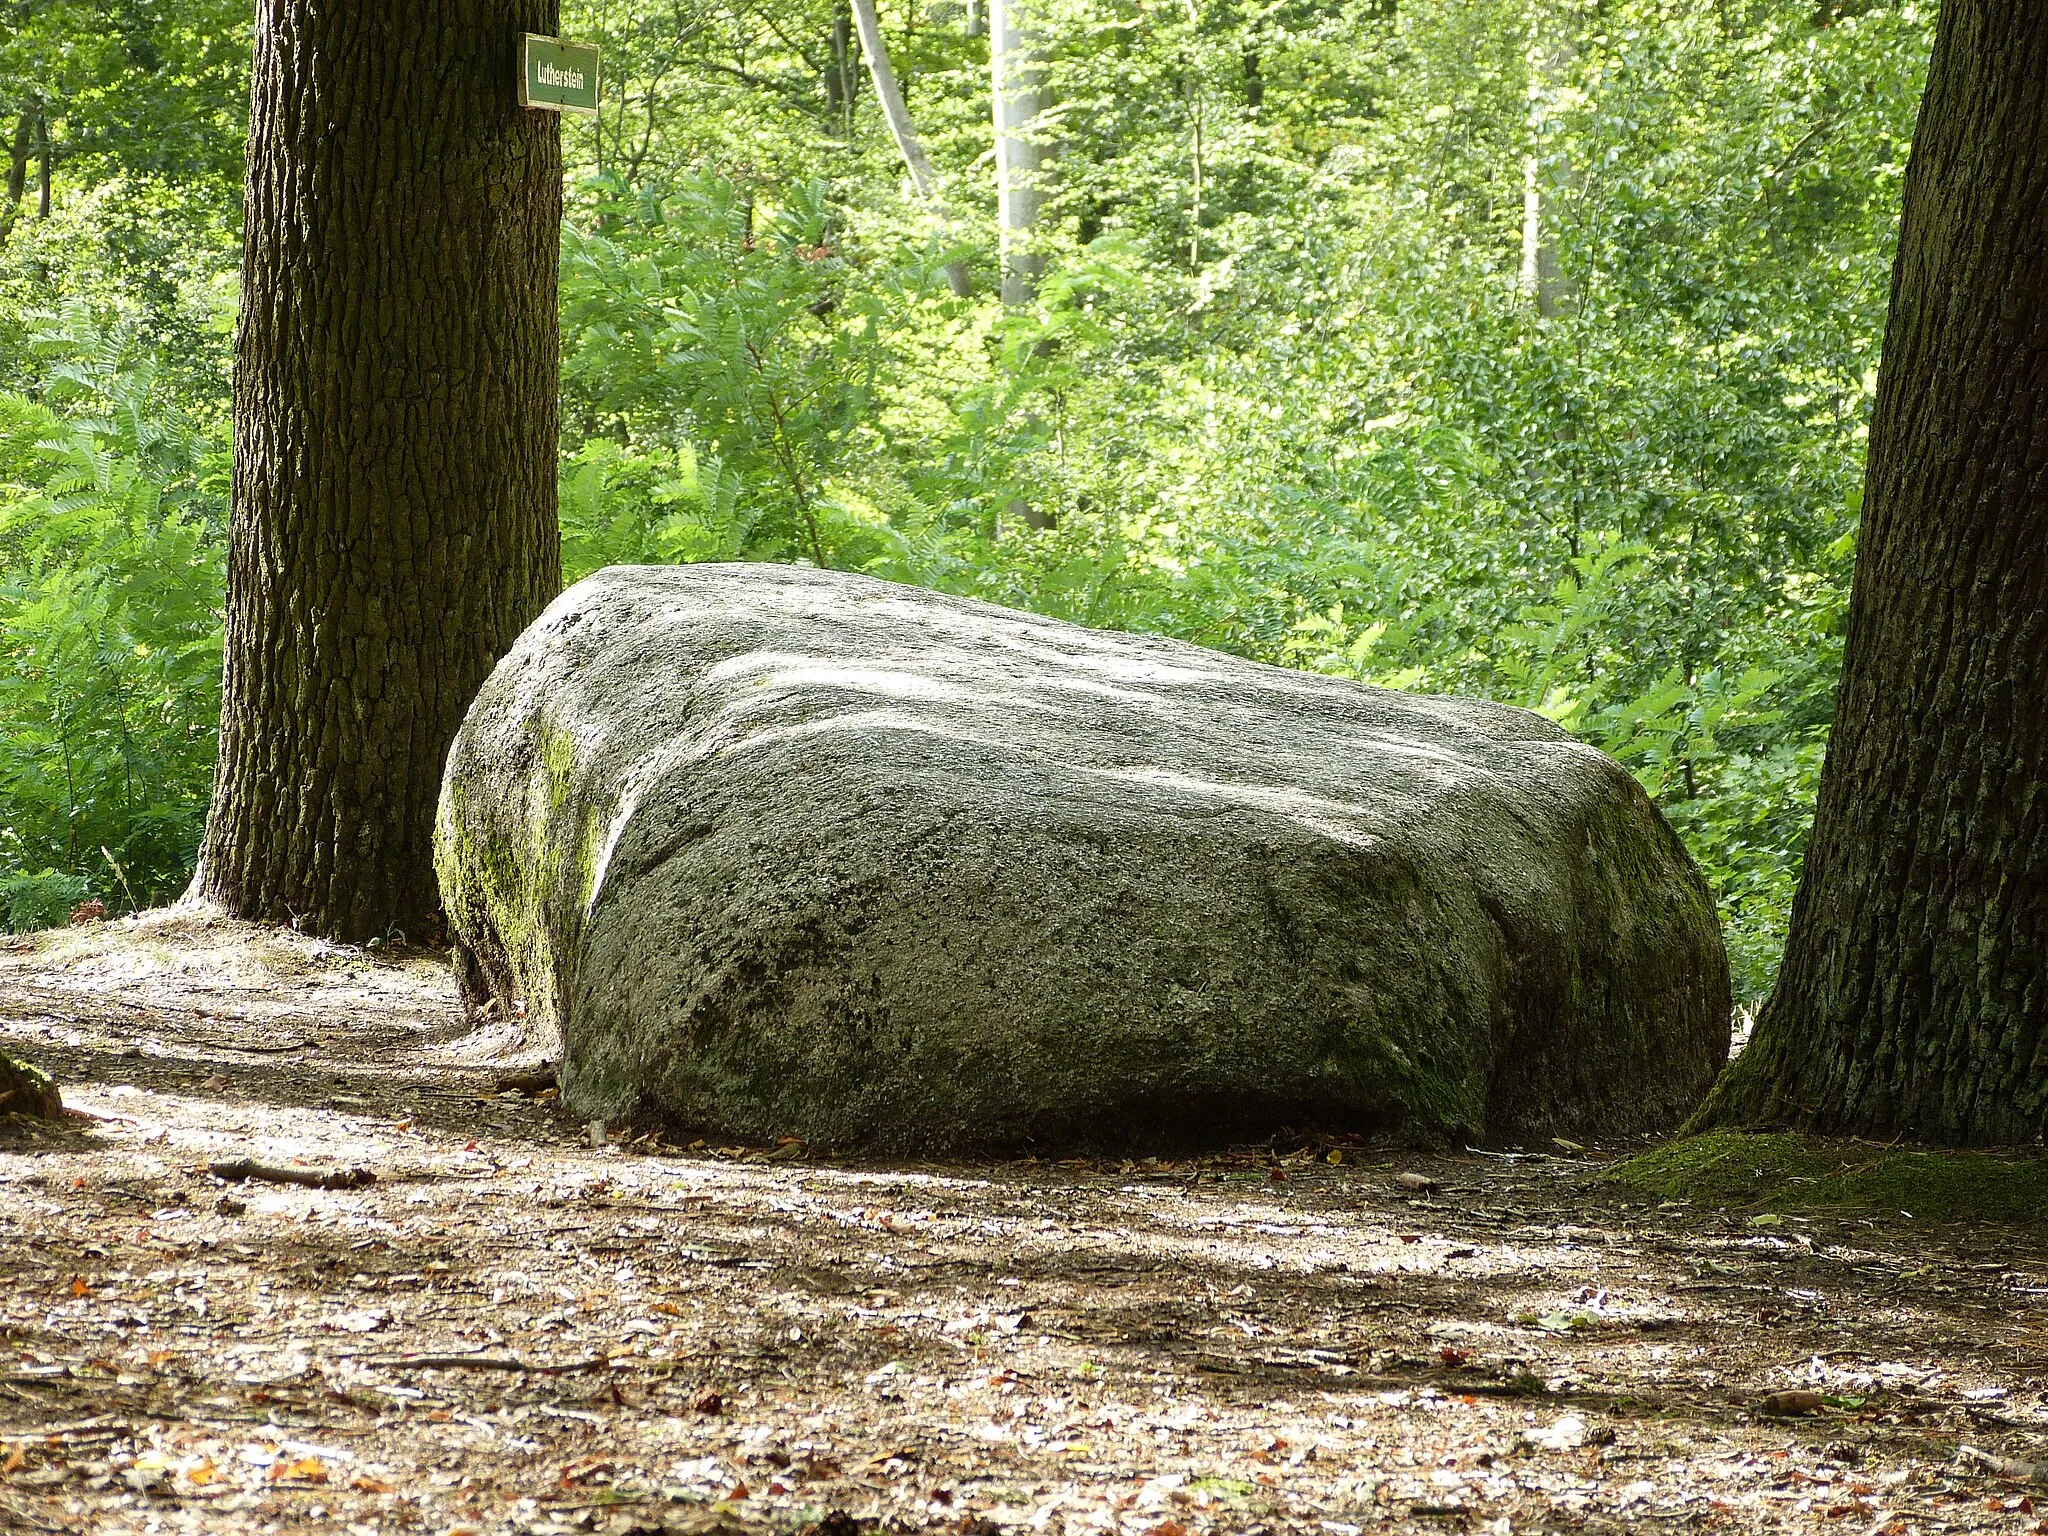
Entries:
{"x":775,"y":851}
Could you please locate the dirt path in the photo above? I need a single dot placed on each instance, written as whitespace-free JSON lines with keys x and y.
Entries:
{"x":512,"y":1329}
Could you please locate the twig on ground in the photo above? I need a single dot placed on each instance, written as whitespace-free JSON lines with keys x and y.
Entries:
{"x":89,"y":1427}
{"x":2004,"y":1466}
{"x":239,"y":1170}
{"x":29,"y":1521}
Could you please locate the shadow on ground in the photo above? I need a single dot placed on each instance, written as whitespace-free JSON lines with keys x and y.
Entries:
{"x":514,"y":1329}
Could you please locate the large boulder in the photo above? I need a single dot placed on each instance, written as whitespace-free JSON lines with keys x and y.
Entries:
{"x":768,"y":851}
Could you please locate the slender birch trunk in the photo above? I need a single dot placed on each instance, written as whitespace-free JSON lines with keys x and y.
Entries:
{"x":922,"y":176}
{"x":1543,"y":280}
{"x":1017,"y":81}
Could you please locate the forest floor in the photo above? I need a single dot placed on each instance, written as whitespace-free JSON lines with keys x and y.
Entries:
{"x":515,"y":1329}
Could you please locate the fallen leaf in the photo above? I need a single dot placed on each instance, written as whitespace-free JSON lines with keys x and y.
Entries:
{"x":364,"y":1483}
{"x":301,"y":1469}
{"x":1799,"y":1400}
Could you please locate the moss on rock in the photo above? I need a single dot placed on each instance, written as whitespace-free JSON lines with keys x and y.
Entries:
{"x":1782,"y":1172}
{"x":765,"y":851}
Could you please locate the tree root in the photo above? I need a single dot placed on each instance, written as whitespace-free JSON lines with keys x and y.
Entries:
{"x":26,"y":1091}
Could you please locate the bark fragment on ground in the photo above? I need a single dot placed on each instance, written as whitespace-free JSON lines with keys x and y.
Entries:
{"x":742,"y":1339}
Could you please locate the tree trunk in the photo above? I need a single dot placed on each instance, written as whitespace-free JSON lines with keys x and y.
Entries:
{"x":17,"y":173}
{"x":905,"y":133}
{"x":43,"y":159}
{"x":1543,"y":280}
{"x":840,"y":76}
{"x":394,"y":485}
{"x":1017,"y":86}
{"x":1914,"y":993}
{"x":25,"y":1091}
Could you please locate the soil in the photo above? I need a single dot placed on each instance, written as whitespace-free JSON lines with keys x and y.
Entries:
{"x":522,"y":1326}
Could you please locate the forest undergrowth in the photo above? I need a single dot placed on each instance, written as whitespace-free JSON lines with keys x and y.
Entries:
{"x":1290,"y":384}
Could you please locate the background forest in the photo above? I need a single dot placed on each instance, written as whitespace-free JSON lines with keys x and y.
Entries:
{"x":1510,"y":347}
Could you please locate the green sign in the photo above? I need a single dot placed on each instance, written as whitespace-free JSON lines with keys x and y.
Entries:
{"x":556,"y":76}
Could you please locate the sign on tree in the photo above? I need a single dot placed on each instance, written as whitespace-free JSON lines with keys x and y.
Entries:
{"x":556,"y":76}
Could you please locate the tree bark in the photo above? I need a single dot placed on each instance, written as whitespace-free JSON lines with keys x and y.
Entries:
{"x":395,"y":443}
{"x":922,"y":176}
{"x":17,"y":173}
{"x":1914,"y":993}
{"x":840,"y":75}
{"x":43,"y":156}
{"x":1017,"y":86}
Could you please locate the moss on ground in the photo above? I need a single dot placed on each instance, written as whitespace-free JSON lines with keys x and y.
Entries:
{"x":1785,"y":1172}
{"x":27,"y":1090}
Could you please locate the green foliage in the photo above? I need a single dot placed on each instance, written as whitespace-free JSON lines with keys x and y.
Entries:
{"x":714,"y":368}
{"x":1780,"y":1172}
{"x":142,"y":106}
{"x":1283,"y":389}
{"x":44,"y":899}
{"x":111,"y":535}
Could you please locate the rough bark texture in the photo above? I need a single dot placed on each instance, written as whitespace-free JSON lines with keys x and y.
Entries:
{"x":395,"y":442}
{"x":1914,"y":994}
{"x":765,"y":850}
{"x":26,"y":1091}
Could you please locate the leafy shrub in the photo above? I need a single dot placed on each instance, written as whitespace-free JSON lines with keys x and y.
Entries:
{"x":112,"y":531}
{"x":44,"y":899}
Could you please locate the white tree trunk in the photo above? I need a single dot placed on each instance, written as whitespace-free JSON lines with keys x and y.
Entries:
{"x":1017,"y":82}
{"x":1543,"y":280}
{"x":922,"y":176}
